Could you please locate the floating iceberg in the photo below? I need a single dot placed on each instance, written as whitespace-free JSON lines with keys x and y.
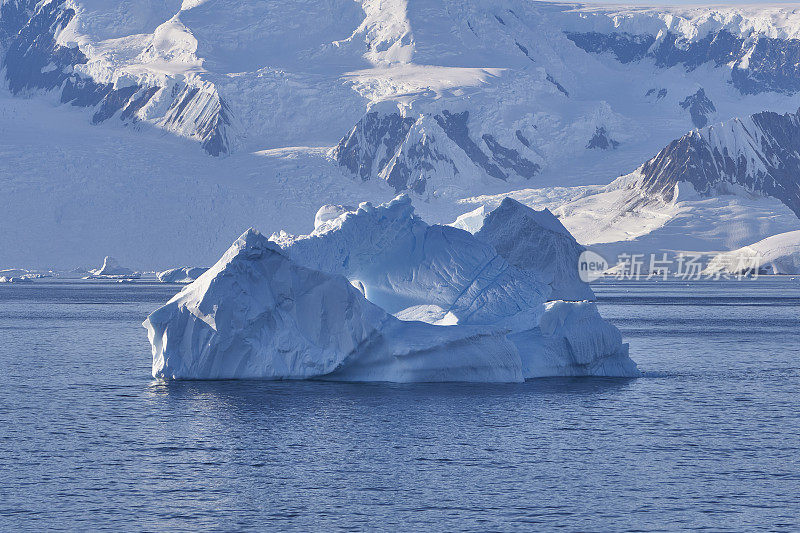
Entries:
{"x":376,"y":294}
{"x":573,"y":340}
{"x":111,"y":269}
{"x":532,"y":240}
{"x":257,"y":314}
{"x":12,"y":279}
{"x":180,"y":275}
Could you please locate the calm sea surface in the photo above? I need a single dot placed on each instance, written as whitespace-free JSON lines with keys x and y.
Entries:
{"x":710,"y":438}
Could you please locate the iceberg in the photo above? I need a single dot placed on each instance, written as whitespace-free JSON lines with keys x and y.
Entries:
{"x":12,"y":279}
{"x":376,"y":294}
{"x":180,"y":275}
{"x":257,"y":314}
{"x":573,"y":340}
{"x":532,"y":240}
{"x":111,"y":269}
{"x":402,"y":262}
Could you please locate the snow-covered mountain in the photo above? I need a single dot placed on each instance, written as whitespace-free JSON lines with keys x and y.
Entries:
{"x":716,"y":188}
{"x":760,"y":153}
{"x":757,"y":47}
{"x":186,"y":121}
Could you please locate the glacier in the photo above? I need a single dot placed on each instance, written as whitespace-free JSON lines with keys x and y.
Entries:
{"x":376,"y":294}
{"x":778,"y":254}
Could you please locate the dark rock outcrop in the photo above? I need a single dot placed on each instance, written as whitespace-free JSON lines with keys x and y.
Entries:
{"x":407,"y":155}
{"x":699,"y":107}
{"x":759,"y":64}
{"x":601,"y":140}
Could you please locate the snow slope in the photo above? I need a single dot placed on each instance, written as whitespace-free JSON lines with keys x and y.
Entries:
{"x":74,"y":191}
{"x":778,"y":254}
{"x":233,"y":75}
{"x":758,"y":153}
{"x":614,"y":220}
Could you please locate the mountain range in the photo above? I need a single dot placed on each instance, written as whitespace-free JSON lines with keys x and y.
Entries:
{"x":156,"y":131}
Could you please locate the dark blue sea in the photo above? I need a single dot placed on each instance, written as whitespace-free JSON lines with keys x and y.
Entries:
{"x":708,"y":439}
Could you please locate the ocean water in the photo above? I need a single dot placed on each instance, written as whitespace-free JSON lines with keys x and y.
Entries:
{"x":708,"y":439}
